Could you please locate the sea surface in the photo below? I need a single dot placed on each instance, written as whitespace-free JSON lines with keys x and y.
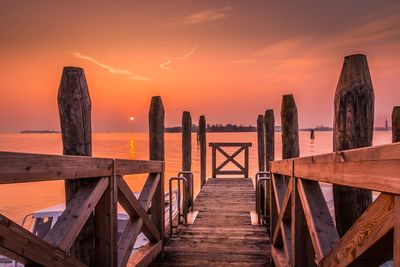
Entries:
{"x":18,"y":200}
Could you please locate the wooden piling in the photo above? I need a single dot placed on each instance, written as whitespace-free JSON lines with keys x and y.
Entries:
{"x":269,"y":123}
{"x":74,"y":107}
{"x":353,"y":128}
{"x":260,"y":142}
{"x":301,"y":246}
{"x":396,"y":124}
{"x":312,"y":135}
{"x":203,"y":149}
{"x":187,"y":150}
{"x":157,"y":152}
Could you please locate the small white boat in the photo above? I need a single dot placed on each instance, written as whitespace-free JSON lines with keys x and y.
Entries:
{"x":40,"y":222}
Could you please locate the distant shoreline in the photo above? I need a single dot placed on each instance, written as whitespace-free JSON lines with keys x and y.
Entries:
{"x":38,"y":131}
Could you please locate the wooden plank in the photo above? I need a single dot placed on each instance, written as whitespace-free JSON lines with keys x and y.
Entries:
{"x":106,"y":226}
{"x":282,"y":167}
{"x":78,"y":210}
{"x":214,"y":161}
{"x":26,"y":167}
{"x":302,"y":249}
{"x":396,"y":244}
{"x":230,"y":158}
{"x":228,"y":144}
{"x":132,"y":206}
{"x":123,"y":167}
{"x":31,"y":248}
{"x":319,"y":221}
{"x":373,"y":224}
{"x":284,"y":211}
{"x":279,"y":257}
{"x":361,"y":174}
{"x":132,"y":230}
{"x":229,"y":172}
{"x":146,"y":255}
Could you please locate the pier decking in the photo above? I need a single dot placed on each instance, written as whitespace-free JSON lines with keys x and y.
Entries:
{"x":222,"y":233}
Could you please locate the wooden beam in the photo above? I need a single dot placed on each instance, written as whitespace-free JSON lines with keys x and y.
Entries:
{"x":373,"y":224}
{"x":282,"y":167}
{"x":284,"y":211}
{"x":396,"y":244}
{"x":269,"y":123}
{"x":123,"y":167}
{"x":26,"y":167}
{"x":226,"y":144}
{"x":320,"y":224}
{"x":230,"y":158}
{"x":145,"y":255}
{"x":229,"y":172}
{"x":19,"y":241}
{"x":279,"y":258}
{"x":132,"y":230}
{"x":106,"y":226}
{"x":361,"y":174}
{"x":132,"y":206}
{"x":74,"y":217}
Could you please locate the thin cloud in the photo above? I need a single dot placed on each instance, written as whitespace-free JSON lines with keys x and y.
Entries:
{"x":111,"y":69}
{"x":166,"y":65}
{"x":207,"y":15}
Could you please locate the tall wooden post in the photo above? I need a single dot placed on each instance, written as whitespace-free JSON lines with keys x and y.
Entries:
{"x":353,"y":128}
{"x":74,"y":107}
{"x":203,"y":149}
{"x":269,"y":123}
{"x":260,"y":142}
{"x":396,"y":124}
{"x":187,"y":150}
{"x":156,"y":144}
{"x":301,"y":246}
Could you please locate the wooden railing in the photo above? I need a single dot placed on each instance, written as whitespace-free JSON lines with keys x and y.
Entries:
{"x":242,"y":169}
{"x":302,"y":230}
{"x":106,"y":187}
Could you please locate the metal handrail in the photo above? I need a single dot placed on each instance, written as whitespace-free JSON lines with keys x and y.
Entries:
{"x":266,"y":178}
{"x":191,"y":177}
{"x":178,"y":179}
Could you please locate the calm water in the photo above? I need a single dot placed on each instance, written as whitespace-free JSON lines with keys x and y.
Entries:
{"x":17,"y":200}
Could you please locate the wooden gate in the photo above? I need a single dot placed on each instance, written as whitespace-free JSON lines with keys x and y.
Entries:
{"x":242,"y":169}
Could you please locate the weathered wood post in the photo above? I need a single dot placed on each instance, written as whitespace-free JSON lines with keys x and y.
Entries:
{"x":74,"y":107}
{"x":269,"y":124}
{"x":301,"y":246}
{"x":203,"y":149}
{"x":187,"y":150}
{"x":260,"y":142}
{"x":156,"y":145}
{"x":396,"y":124}
{"x":312,"y":135}
{"x":353,"y":128}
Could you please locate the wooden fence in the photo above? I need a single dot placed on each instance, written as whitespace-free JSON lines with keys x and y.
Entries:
{"x":106,"y":187}
{"x":297,"y":203}
{"x":242,"y":169}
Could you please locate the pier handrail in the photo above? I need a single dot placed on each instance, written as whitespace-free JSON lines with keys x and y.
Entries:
{"x":296,"y":196}
{"x":106,"y":186}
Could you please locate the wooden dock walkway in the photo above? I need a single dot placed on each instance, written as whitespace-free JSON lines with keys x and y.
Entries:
{"x":222,"y":234}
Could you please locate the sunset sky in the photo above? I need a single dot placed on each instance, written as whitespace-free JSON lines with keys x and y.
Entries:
{"x":228,"y":60}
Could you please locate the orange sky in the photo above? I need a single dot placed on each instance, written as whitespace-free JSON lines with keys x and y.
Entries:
{"x":228,"y":60}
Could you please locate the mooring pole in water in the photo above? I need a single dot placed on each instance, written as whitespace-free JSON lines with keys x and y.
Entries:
{"x":74,"y":106}
{"x":396,"y":124}
{"x":301,"y":243}
{"x":187,"y":151}
{"x":269,"y":132}
{"x":203,"y":150}
{"x":352,"y":128}
{"x":156,"y":145}
{"x":260,"y":142}
{"x":312,"y":136}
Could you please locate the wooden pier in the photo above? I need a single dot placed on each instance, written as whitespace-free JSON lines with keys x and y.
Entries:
{"x":222,"y":233}
{"x":292,"y":227}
